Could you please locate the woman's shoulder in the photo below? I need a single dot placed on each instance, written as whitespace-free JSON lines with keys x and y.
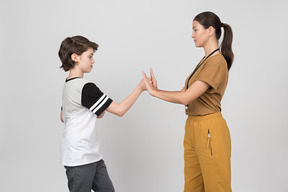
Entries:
{"x":217,"y":60}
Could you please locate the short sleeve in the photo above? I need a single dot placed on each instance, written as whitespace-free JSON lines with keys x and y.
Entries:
{"x":212,"y":74}
{"x":94,"y":99}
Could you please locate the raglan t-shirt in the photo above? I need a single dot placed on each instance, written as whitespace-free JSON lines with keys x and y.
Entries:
{"x":82,"y":102}
{"x":214,"y":72}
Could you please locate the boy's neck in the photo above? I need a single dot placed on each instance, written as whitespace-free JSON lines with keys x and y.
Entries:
{"x":75,"y":73}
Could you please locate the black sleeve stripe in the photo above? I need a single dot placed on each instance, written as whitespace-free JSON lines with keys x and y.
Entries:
{"x":99,"y":103}
{"x":94,"y":99}
{"x":104,"y":106}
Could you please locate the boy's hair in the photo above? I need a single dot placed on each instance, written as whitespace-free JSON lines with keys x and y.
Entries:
{"x":76,"y":44}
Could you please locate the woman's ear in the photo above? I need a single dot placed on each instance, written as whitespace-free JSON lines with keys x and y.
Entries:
{"x":211,"y":30}
{"x":75,"y":57}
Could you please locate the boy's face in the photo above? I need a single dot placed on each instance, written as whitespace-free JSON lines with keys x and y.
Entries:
{"x":86,"y":61}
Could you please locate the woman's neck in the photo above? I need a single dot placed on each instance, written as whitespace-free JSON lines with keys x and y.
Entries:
{"x":210,"y":48}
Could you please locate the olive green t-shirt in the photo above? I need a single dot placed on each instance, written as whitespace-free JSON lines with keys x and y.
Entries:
{"x":214,"y":72}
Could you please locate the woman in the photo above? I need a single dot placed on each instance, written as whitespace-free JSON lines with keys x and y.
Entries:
{"x":207,"y":144}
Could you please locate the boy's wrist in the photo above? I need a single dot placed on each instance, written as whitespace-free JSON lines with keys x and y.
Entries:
{"x":140,"y":88}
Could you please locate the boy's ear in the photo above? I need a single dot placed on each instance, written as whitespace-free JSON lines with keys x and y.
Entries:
{"x":75,"y":57}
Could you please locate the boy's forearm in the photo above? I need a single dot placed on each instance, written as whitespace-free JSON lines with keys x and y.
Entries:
{"x":121,"y":108}
{"x":127,"y":103}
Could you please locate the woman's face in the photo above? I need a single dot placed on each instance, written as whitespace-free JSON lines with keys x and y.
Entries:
{"x":199,"y":34}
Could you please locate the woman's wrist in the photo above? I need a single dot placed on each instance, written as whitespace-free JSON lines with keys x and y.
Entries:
{"x":154,"y":92}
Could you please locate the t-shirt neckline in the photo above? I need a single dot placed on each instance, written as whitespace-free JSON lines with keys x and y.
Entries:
{"x":71,"y":79}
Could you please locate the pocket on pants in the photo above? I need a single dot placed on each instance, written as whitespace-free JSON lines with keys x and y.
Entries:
{"x":209,"y":144}
{"x":206,"y":147}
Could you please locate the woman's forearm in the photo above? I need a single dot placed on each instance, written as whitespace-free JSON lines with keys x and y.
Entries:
{"x":170,"y":96}
{"x":184,"y":96}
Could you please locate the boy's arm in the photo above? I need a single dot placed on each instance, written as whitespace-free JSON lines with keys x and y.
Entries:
{"x":61,"y":116}
{"x":62,"y":120}
{"x":121,"y":108}
{"x":101,"y":115}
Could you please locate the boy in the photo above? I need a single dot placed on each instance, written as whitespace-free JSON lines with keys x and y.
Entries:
{"x":82,"y":101}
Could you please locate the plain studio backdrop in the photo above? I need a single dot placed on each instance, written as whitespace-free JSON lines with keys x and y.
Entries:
{"x":143,"y":150}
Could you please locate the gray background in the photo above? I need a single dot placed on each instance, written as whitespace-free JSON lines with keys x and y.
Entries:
{"x":143,"y":150}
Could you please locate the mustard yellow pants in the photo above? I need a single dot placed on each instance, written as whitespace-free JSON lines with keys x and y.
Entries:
{"x":207,"y":153}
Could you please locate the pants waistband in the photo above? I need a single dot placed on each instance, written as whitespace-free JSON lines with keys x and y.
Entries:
{"x":203,"y":117}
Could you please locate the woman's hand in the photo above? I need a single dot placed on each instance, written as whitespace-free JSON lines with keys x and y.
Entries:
{"x":149,"y":84}
{"x":153,"y":79}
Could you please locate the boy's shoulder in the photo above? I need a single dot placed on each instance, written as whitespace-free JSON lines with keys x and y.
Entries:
{"x":80,"y":86}
{"x":77,"y":82}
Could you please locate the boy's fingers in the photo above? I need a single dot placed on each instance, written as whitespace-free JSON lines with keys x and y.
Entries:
{"x":144,"y":75}
{"x":146,"y":79}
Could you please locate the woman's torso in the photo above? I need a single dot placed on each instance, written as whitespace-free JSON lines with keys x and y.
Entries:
{"x":213,"y":71}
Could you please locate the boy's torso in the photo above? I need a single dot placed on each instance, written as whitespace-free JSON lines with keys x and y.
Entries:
{"x":80,"y":144}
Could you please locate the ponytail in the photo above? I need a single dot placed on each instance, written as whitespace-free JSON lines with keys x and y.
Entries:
{"x":226,"y":45}
{"x":208,"y":19}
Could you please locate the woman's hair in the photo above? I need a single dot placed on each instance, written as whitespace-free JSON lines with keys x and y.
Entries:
{"x":70,"y":45}
{"x":207,"y":19}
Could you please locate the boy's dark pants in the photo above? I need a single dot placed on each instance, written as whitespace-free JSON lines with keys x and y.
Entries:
{"x":91,"y":176}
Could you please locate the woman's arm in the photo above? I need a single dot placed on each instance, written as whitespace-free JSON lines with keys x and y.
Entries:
{"x":154,"y":81}
{"x":121,"y":108}
{"x":181,"y":97}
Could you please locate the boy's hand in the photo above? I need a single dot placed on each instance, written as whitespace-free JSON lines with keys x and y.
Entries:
{"x":148,"y":83}
{"x":142,"y":85}
{"x":101,"y":115}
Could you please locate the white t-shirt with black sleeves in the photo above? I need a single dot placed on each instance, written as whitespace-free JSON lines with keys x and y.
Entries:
{"x":82,"y":102}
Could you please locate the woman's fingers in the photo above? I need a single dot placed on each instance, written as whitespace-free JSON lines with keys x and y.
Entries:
{"x":147,"y":82}
{"x":153,"y":79}
{"x":145,"y":77}
{"x":151,"y":73}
